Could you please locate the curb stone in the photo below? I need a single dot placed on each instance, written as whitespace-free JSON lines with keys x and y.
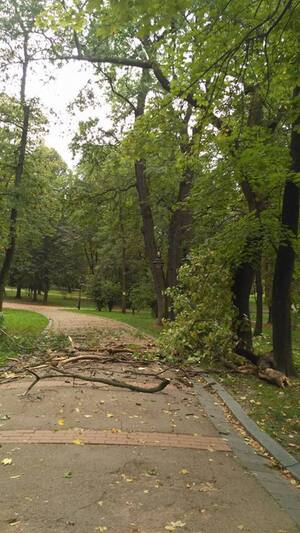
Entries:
{"x":273,"y":482}
{"x":284,"y":458}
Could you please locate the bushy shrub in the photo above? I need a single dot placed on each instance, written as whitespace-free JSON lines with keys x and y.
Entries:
{"x":203,"y":310}
{"x":104,"y":292}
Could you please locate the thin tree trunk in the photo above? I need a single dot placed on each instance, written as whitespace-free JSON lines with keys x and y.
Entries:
{"x":79,"y":298}
{"x":19,"y":292}
{"x":243,"y":281}
{"x":10,"y":249}
{"x":270,"y":317}
{"x":124,"y":258}
{"x":259,"y":304}
{"x":285,"y":260}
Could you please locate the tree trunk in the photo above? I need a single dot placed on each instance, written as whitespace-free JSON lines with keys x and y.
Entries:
{"x":151,"y":249}
{"x":79,"y":298}
{"x":124,"y":258}
{"x":19,"y":292}
{"x":285,"y":259}
{"x":259,"y":304}
{"x":152,"y":252}
{"x":45,"y":297}
{"x":243,"y":281}
{"x":244,"y":273}
{"x":179,"y":231}
{"x":34,"y":299}
{"x":10,"y":250}
{"x":45,"y":270}
{"x":270,"y":317}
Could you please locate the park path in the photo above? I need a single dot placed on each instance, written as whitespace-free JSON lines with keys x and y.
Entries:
{"x":83,"y":458}
{"x":68,"y":322}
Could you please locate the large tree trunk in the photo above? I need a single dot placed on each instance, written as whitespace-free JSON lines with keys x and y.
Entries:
{"x":151,"y":249}
{"x":259,"y":304}
{"x":179,"y":231}
{"x":244,"y":274}
{"x":285,"y":259}
{"x":152,"y":252}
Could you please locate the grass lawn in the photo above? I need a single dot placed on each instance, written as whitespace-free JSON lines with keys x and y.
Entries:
{"x":55,"y":297}
{"x":23,"y":328}
{"x":277,"y":411}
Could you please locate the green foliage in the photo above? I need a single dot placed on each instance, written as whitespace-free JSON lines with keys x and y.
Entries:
{"x":203,"y":309}
{"x":104,"y":292}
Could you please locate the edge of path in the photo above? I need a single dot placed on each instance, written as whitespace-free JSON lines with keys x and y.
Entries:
{"x":276,"y":485}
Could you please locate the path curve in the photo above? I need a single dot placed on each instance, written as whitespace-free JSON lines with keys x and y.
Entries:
{"x":67,"y":322}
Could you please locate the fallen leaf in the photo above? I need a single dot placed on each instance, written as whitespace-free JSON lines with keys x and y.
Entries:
{"x":78,"y":442}
{"x":172,"y":526}
{"x":6,"y":461}
{"x":109,"y":415}
{"x":184,"y":471}
{"x":68,"y":474}
{"x":61,"y":422}
{"x":101,"y":529}
{"x":4,"y":417}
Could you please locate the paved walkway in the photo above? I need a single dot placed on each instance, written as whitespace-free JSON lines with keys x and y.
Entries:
{"x":84,"y":458}
{"x":69,"y":322}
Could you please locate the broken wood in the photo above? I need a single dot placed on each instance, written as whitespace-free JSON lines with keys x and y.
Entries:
{"x":114,"y":382}
{"x":274,"y":376}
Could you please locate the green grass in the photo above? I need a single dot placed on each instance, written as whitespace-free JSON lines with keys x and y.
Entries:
{"x":22,"y":329}
{"x":276,"y":411}
{"x":55,"y":297}
{"x":141,"y":320}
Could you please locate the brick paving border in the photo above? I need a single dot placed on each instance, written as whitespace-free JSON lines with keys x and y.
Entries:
{"x":113,"y":437}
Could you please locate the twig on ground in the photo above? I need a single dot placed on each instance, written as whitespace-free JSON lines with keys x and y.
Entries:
{"x":106,"y":381}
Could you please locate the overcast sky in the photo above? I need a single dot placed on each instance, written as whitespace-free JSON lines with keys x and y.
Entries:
{"x":57,"y":88}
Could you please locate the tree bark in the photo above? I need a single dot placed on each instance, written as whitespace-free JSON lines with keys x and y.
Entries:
{"x":152,"y":252}
{"x":244,"y":274}
{"x":10,"y":249}
{"x":259,"y":304}
{"x":124,"y":259}
{"x":19,"y":292}
{"x":151,"y":249}
{"x":285,"y":260}
{"x":243,"y":281}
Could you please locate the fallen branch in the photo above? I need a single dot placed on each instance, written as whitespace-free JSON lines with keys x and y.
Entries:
{"x":106,"y":381}
{"x":274,"y":376}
